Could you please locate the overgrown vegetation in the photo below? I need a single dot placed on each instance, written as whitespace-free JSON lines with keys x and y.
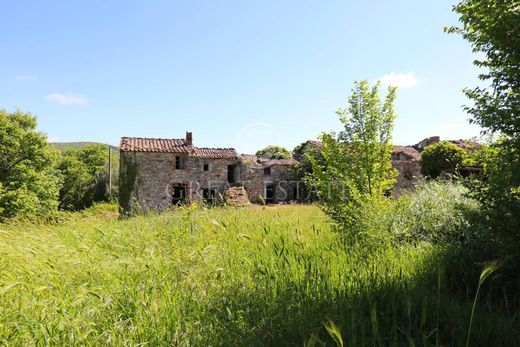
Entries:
{"x":442,"y":157}
{"x":249,"y":277}
{"x":274,"y":152}
{"x":84,"y":177}
{"x":355,"y":169}
{"x":491,"y":27}
{"x":36,"y":179}
{"x":29,"y":182}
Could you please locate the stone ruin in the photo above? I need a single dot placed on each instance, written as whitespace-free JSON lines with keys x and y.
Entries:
{"x":158,"y":173}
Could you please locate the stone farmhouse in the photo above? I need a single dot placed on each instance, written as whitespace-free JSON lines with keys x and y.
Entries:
{"x":158,"y":173}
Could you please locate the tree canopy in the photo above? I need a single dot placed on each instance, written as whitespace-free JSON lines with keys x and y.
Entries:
{"x":29,"y":183}
{"x":492,"y":28}
{"x":441,"y":157}
{"x":83,"y":174}
{"x":355,"y":165}
{"x":274,"y":152}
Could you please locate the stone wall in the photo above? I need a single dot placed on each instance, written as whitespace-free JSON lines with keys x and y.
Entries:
{"x":281,"y":179}
{"x":156,"y":177}
{"x":409,"y":175}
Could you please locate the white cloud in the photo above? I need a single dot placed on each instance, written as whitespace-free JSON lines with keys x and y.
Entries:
{"x":26,"y":78}
{"x":67,"y":99}
{"x":400,"y":80}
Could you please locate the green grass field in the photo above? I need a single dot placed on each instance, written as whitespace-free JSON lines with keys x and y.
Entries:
{"x":229,"y":277}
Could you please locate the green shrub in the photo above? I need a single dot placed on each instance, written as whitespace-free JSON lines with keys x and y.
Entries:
{"x":274,"y":152}
{"x":84,"y":177}
{"x":437,"y":211}
{"x":28,"y":180}
{"x":441,"y":157}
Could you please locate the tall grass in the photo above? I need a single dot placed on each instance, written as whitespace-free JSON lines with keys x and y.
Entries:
{"x":229,"y":277}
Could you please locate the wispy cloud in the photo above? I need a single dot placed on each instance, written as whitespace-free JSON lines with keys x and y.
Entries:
{"x":67,"y":99}
{"x":400,"y":80}
{"x":26,"y":78}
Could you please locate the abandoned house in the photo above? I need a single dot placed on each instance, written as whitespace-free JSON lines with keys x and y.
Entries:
{"x":158,"y":173}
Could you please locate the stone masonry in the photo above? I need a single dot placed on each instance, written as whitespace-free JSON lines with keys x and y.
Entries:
{"x":158,"y":173}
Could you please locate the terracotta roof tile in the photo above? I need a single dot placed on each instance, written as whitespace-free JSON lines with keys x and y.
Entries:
{"x":266,"y":161}
{"x":215,"y":153}
{"x":139,"y":144}
{"x":286,"y":162}
{"x":409,"y":151}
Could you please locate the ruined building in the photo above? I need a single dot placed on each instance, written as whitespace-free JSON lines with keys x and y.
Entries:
{"x":158,"y":173}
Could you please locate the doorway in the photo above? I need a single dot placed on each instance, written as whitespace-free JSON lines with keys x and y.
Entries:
{"x":231,"y":173}
{"x":270,"y":191}
{"x":178,"y":194}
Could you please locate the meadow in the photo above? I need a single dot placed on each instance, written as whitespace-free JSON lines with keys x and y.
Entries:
{"x":259,"y":275}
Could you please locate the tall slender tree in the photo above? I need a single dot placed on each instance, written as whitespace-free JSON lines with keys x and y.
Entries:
{"x":356,"y":166}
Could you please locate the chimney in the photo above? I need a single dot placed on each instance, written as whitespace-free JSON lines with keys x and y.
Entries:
{"x":189,"y":138}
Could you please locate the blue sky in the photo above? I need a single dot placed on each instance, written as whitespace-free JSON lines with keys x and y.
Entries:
{"x":238,"y":74}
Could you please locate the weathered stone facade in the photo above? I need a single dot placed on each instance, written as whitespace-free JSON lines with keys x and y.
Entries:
{"x":157,"y":173}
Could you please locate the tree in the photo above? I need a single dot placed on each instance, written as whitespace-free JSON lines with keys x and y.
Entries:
{"x":492,"y":28}
{"x":356,"y":167}
{"x":441,"y":157}
{"x":274,"y":152}
{"x":28,"y":180}
{"x":84,"y":174}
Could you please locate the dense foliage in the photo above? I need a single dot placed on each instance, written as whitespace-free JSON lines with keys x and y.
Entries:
{"x":28,"y":180}
{"x":36,"y":179}
{"x":356,"y":167}
{"x":274,"y":152}
{"x":441,"y":157}
{"x":84,"y":177}
{"x":492,"y":28}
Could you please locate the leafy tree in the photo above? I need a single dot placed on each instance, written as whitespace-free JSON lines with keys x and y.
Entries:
{"x":356,"y":167}
{"x":84,"y":177}
{"x":492,"y":28}
{"x":274,"y":152}
{"x":28,"y":181}
{"x":442,"y":156}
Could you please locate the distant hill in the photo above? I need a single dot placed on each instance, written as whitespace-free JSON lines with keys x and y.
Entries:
{"x":74,"y":146}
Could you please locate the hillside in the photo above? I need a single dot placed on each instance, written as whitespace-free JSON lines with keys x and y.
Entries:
{"x":64,"y":146}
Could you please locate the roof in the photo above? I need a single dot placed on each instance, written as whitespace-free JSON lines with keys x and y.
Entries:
{"x":266,"y":161}
{"x":465,"y":144}
{"x":139,"y":144}
{"x":408,"y":150}
{"x":215,"y":153}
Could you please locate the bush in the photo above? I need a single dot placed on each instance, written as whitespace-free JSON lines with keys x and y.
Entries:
{"x":437,"y":211}
{"x":441,"y":157}
{"x":84,"y":177}
{"x":274,"y":152}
